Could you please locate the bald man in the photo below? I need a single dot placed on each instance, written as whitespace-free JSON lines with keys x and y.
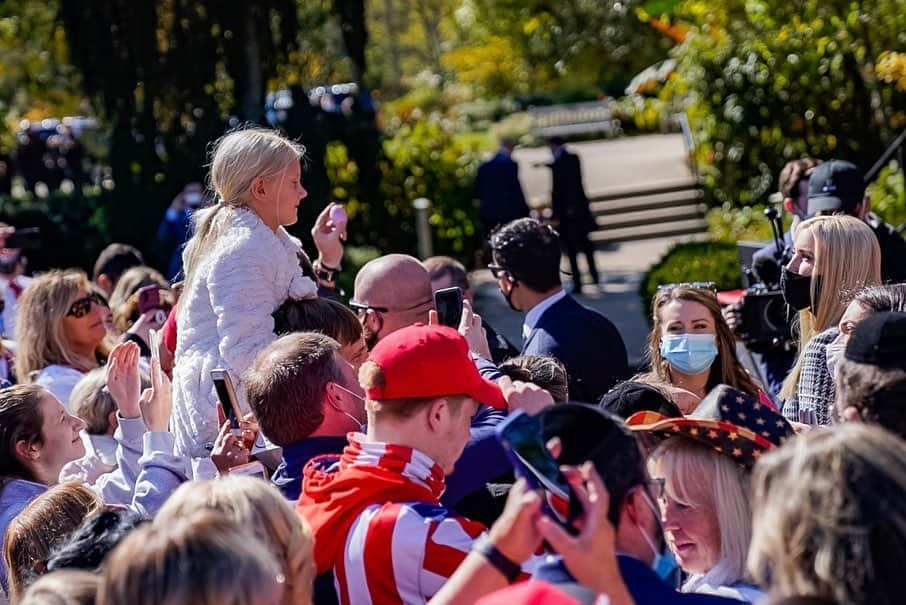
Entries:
{"x":391,"y":292}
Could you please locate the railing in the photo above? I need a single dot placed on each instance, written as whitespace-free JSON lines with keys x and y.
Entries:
{"x":574,"y":118}
{"x":896,"y":147}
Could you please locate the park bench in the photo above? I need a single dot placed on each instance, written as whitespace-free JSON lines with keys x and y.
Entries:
{"x":574,"y":119}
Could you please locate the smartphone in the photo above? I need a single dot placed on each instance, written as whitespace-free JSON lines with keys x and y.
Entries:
{"x":227,"y":396}
{"x":148,"y":299}
{"x":448,"y":303}
{"x":252,"y":469}
{"x":154,"y":337}
{"x":28,"y":238}
{"x":520,"y":435}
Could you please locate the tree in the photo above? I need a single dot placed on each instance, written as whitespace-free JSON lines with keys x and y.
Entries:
{"x":765,"y":81}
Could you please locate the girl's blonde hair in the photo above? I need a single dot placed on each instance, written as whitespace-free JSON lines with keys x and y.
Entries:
{"x":848,"y":258}
{"x":40,"y":336}
{"x":703,"y":479}
{"x":726,"y":368}
{"x":237,"y":159}
{"x":257,"y":505}
{"x":63,"y":587}
{"x":41,"y":526}
{"x":829,"y":517}
{"x":201,"y":559}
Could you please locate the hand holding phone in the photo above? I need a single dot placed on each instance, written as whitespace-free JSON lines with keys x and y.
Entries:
{"x":520,"y":435}
{"x":223,"y":385}
{"x":149,"y":299}
{"x":448,"y":302}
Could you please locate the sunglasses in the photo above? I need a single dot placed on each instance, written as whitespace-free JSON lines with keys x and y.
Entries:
{"x":82,"y":306}
{"x":694,"y":285}
{"x":362,"y":308}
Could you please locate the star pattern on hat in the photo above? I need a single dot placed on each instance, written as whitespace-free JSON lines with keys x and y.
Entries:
{"x":730,"y":422}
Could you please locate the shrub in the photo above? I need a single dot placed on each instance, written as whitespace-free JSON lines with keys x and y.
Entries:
{"x":691,"y":262}
{"x":888,"y":195}
{"x":730,"y":224}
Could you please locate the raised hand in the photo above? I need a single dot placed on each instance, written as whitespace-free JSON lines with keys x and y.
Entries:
{"x":156,"y":402}
{"x":229,"y":450}
{"x":123,"y":379}
{"x":329,"y":238}
{"x":525,"y":396}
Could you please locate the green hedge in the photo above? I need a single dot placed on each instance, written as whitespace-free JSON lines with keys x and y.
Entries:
{"x":691,"y":262}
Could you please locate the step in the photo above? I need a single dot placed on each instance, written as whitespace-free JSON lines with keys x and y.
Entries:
{"x":646,"y":201}
{"x":650,"y":216}
{"x":649,"y":188}
{"x":683,"y":227}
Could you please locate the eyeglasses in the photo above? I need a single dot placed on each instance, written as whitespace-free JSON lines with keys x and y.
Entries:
{"x":362,"y":308}
{"x":497,"y":271}
{"x":694,"y":285}
{"x":82,"y":306}
{"x":656,"y":487}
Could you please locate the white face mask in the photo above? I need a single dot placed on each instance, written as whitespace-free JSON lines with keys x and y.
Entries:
{"x":834,"y":353}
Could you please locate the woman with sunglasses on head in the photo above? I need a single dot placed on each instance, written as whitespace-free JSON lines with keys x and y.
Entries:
{"x":833,"y":256}
{"x":61,"y":332}
{"x":691,"y":348}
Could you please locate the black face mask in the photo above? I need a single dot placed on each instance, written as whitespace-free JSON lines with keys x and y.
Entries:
{"x":797,"y":290}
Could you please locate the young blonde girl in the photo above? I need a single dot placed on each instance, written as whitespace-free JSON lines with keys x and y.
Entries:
{"x":240,"y":265}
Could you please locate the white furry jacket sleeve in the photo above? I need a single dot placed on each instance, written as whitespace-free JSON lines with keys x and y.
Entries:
{"x":224,"y":319}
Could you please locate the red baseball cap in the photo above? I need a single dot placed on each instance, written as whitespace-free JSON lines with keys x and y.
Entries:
{"x":422,"y":361}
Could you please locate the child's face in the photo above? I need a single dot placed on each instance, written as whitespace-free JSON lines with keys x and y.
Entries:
{"x":288,"y":193}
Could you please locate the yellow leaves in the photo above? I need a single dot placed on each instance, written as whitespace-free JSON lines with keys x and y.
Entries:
{"x":891,"y":69}
{"x":530,"y":26}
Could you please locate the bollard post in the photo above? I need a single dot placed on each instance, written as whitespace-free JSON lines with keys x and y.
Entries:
{"x":423,"y":227}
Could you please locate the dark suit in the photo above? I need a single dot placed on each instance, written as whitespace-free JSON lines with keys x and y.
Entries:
{"x":587,"y":343}
{"x":497,"y":188}
{"x":569,"y":206}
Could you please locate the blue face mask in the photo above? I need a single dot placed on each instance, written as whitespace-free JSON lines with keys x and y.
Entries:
{"x":664,"y":563}
{"x":689,"y":353}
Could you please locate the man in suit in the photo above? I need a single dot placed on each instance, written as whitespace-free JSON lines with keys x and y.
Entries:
{"x":570,"y":211}
{"x":526,"y":264}
{"x":498,"y":190}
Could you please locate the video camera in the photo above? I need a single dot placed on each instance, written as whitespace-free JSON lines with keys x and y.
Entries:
{"x":765,"y":318}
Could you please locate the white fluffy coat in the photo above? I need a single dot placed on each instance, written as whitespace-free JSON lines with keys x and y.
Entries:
{"x":224,"y":319}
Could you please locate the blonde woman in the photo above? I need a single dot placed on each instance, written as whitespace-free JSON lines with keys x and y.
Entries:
{"x":61,"y":332}
{"x":691,"y":348}
{"x":705,"y":466}
{"x":240,"y":265}
{"x":259,"y":507}
{"x":833,"y":256}
{"x":829,"y":523}
{"x":202,"y":559}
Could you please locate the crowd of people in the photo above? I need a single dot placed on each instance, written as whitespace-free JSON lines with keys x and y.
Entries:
{"x":250,"y":435}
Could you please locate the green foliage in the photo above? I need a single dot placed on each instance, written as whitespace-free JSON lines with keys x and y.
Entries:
{"x":73,"y":229}
{"x":36,"y":80}
{"x":888,"y":195}
{"x":691,"y":262}
{"x":420,"y":160}
{"x":767,"y":81}
{"x":731,"y":224}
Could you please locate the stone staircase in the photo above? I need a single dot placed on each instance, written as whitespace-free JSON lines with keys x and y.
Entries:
{"x":658,"y":209}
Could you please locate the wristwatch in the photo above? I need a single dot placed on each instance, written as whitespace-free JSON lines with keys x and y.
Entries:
{"x":497,"y":559}
{"x":325,"y":273}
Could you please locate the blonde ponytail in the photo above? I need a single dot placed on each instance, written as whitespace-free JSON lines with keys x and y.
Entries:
{"x":237,"y":159}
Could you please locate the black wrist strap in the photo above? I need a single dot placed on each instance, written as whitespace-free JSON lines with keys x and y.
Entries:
{"x":497,"y":559}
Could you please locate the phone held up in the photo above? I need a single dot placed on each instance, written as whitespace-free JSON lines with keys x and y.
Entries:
{"x":448,"y":302}
{"x":226,"y":394}
{"x":520,"y":435}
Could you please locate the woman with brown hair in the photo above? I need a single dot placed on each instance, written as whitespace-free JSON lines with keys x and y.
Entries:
{"x":44,"y":524}
{"x":691,"y":348}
